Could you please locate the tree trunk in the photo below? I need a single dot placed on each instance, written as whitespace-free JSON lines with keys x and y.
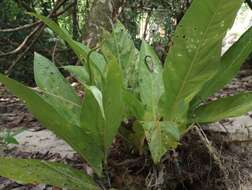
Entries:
{"x":75,"y":20}
{"x":102,"y":15}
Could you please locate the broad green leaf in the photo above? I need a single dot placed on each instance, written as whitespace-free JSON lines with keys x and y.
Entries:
{"x":102,"y":112}
{"x":232,"y":106}
{"x":80,"y":50}
{"x":230,"y":65}
{"x":118,"y":46}
{"x":79,"y":72}
{"x":194,"y":57}
{"x":48,"y":78}
{"x":133,"y":107}
{"x":96,"y":60}
{"x":150,"y":80}
{"x":57,"y":91}
{"x":49,"y":117}
{"x":112,"y":102}
{"x":27,"y":171}
{"x":10,"y":139}
{"x":92,"y":118}
{"x":161,"y":136}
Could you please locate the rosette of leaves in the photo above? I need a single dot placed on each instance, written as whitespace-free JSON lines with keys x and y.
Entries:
{"x":166,"y":101}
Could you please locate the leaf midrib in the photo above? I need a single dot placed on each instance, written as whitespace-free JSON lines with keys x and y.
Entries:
{"x":117,"y":47}
{"x":231,"y":110}
{"x":56,"y":96}
{"x":74,"y":180}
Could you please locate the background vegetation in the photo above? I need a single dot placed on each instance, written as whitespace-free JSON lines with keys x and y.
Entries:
{"x":152,"y":20}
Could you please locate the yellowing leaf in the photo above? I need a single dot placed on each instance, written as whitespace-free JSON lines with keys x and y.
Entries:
{"x":161,"y":137}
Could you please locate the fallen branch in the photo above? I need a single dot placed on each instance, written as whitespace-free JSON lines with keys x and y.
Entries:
{"x":25,"y":51}
{"x":24,"y":43}
{"x":63,"y":11}
{"x":26,"y":26}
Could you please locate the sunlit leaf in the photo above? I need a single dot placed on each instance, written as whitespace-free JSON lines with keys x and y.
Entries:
{"x":231,"y":62}
{"x":194,"y":57}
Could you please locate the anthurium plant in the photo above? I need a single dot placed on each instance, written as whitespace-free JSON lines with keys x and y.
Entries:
{"x":122,"y":82}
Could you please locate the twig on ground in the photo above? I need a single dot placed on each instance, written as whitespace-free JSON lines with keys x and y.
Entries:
{"x":128,"y":162}
{"x":211,"y":150}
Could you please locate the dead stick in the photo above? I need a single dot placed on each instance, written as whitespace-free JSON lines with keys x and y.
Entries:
{"x":26,"y":26}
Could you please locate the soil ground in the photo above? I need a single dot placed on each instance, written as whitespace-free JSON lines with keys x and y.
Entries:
{"x":211,"y":157}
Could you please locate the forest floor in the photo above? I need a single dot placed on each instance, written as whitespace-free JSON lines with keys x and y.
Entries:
{"x":218,"y":158}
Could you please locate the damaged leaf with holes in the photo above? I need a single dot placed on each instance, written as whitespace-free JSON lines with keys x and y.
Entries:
{"x":193,"y":62}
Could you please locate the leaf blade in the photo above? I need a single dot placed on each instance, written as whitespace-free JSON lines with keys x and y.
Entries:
{"x":47,"y":115}
{"x":161,"y":137}
{"x":83,"y":52}
{"x":112,"y":101}
{"x":196,"y":52}
{"x":224,"y":108}
{"x":79,"y":72}
{"x":57,"y":91}
{"x":77,"y":48}
{"x":118,"y":46}
{"x":150,"y":79}
{"x":230,"y":64}
{"x":35,"y":171}
{"x":48,"y":78}
{"x":133,"y":106}
{"x":93,"y":116}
